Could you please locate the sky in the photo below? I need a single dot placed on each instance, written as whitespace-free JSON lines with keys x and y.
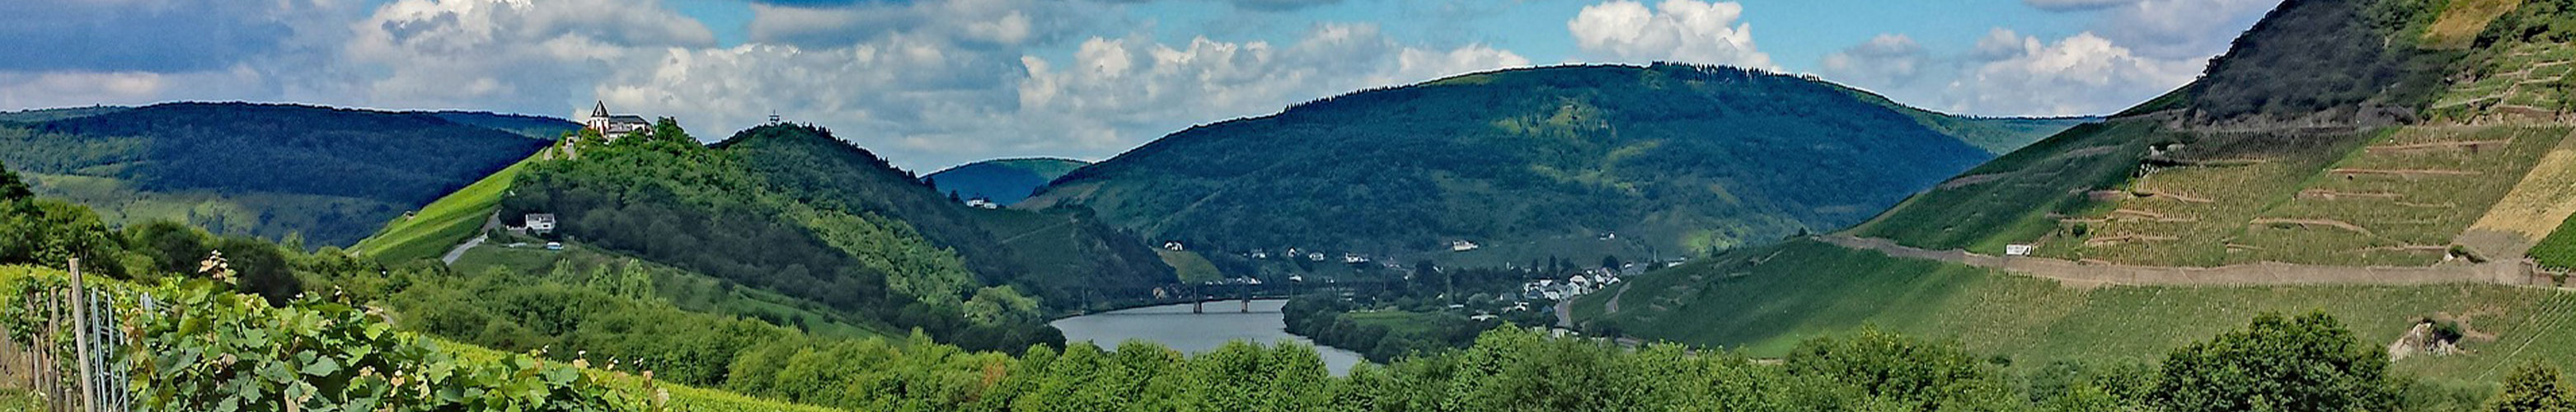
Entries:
{"x":934,"y":83}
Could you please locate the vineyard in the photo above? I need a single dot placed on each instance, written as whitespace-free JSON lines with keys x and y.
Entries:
{"x":199,"y":346}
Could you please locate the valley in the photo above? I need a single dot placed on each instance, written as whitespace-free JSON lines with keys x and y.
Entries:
{"x":2358,"y":205}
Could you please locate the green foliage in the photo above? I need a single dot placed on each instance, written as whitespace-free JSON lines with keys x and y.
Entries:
{"x":2349,"y":59}
{"x":661,"y":196}
{"x":2534,"y":388}
{"x":1655,"y":154}
{"x":49,"y":233}
{"x":213,"y":350}
{"x":2308,"y":363}
{"x":1066,"y":259}
{"x":380,"y":163}
{"x":2558,"y":250}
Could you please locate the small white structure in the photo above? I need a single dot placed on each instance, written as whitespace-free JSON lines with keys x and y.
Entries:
{"x":1315,"y":256}
{"x":542,"y":223}
{"x":611,"y":126}
{"x":2017,"y":250}
{"x":1174,"y":245}
{"x":982,"y":203}
{"x":1354,"y":258}
{"x":1260,"y":254}
{"x":1462,"y":246}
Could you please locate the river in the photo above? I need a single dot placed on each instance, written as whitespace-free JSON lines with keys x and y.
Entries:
{"x":1174,"y":326}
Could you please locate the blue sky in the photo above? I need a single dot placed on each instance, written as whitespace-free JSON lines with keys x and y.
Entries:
{"x":933,"y":83}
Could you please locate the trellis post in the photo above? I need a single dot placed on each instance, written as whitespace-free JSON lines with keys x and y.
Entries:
{"x":80,"y":340}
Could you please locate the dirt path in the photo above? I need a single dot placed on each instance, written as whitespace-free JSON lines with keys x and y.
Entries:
{"x":2089,"y":275}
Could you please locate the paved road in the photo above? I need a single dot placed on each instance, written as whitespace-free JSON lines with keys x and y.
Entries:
{"x":2086,"y":275}
{"x":489,"y":222}
{"x":459,"y":251}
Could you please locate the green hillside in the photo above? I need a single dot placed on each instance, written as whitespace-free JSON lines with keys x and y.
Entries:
{"x":1074,"y":262}
{"x":443,"y":223}
{"x":1002,"y":181}
{"x":1622,"y":160}
{"x":792,"y":211}
{"x":327,"y":175}
{"x":2349,"y":162}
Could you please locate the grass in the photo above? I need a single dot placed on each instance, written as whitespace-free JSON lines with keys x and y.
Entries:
{"x":1189,"y":266}
{"x":1764,"y":300}
{"x":443,"y":223}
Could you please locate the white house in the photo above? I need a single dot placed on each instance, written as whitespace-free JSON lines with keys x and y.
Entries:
{"x":542,"y":223}
{"x":2017,"y":250}
{"x":1315,"y":256}
{"x":1461,"y":246}
{"x":613,"y":126}
{"x":1354,"y":258}
{"x":982,"y":203}
{"x":1174,"y":245}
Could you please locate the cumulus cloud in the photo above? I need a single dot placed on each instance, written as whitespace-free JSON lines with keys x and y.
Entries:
{"x":2080,"y":74}
{"x":2180,"y":28}
{"x":930,"y":106}
{"x":1885,"y":61}
{"x":1675,"y":30}
{"x":508,"y":54}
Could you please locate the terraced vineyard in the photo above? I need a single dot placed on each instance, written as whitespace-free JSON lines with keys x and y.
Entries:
{"x":1764,"y":300}
{"x":2529,"y":80}
{"x":2397,"y":197}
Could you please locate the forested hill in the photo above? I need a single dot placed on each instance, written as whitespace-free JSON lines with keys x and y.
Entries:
{"x":1530,"y":162}
{"x":1002,"y":181}
{"x":1070,"y":260}
{"x":329,"y":175}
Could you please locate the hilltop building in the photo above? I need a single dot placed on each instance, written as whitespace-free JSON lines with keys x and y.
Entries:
{"x":611,"y":126}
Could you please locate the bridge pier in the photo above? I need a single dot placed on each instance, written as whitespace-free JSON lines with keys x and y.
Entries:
{"x":1198,"y":306}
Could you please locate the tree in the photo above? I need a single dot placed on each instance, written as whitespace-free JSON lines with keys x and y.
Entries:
{"x":1610,"y":262}
{"x":10,"y":187}
{"x":2533,"y":388}
{"x":2308,"y":363}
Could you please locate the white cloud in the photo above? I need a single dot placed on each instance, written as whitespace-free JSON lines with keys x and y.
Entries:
{"x":2081,"y":74}
{"x":2180,"y":28}
{"x":518,"y":54}
{"x":1676,"y":30}
{"x":927,"y":102}
{"x":1885,"y":61}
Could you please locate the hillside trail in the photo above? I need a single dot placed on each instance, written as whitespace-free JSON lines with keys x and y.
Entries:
{"x":489,"y":222}
{"x":2090,"y":275}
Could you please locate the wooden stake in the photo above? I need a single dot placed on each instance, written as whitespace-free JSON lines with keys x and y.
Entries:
{"x":80,"y":339}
